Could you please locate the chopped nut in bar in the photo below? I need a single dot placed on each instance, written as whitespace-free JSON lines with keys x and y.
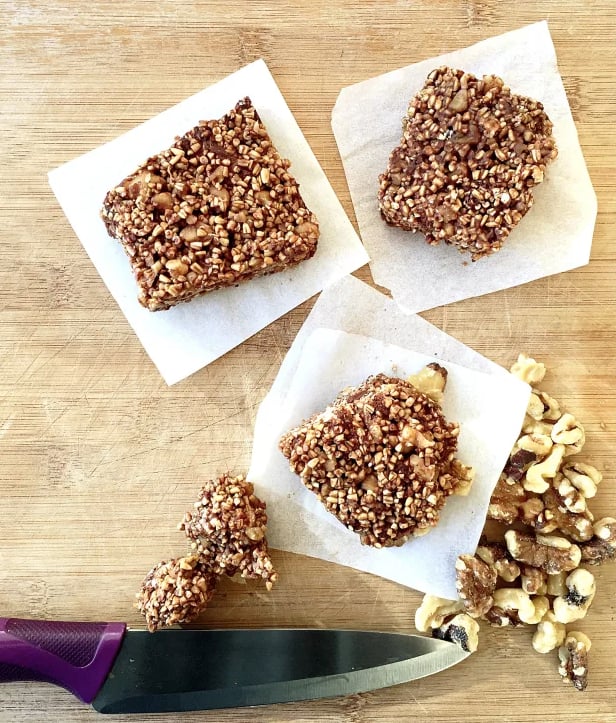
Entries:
{"x":470,"y":155}
{"x":216,"y":208}
{"x":227,"y":528}
{"x":381,"y":458}
{"x":176,"y":591}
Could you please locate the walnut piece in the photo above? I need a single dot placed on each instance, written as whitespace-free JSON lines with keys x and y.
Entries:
{"x":538,"y":474}
{"x":433,"y":612}
{"x":534,"y":580}
{"x":176,"y":591}
{"x":528,"y":370}
{"x":602,"y":546}
{"x":512,"y":606}
{"x":557,"y":517}
{"x":475,"y":583}
{"x":584,"y":477}
{"x":550,"y":553}
{"x":460,"y":629}
{"x":431,"y":380}
{"x":228,"y":529}
{"x":505,"y":501}
{"x":497,"y":556}
{"x":381,"y":459}
{"x":550,"y":634}
{"x":574,"y":604}
{"x":573,"y":656}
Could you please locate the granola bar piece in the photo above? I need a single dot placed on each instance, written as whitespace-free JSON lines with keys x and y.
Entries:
{"x":381,"y":458}
{"x":228,"y":530}
{"x":175,"y":591}
{"x":470,"y":155}
{"x":216,"y":208}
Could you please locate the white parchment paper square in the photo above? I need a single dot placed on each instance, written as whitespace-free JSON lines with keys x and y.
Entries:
{"x":489,"y":404}
{"x":189,"y":336}
{"x":555,"y":235}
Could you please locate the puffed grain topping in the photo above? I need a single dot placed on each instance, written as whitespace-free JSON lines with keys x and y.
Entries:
{"x":470,"y":155}
{"x":227,"y":528}
{"x":175,"y":591}
{"x":217,"y":208}
{"x":381,"y":458}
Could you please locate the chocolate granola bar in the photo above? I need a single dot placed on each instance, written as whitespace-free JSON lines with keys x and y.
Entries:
{"x":381,"y":458}
{"x":470,"y":155}
{"x":216,"y":208}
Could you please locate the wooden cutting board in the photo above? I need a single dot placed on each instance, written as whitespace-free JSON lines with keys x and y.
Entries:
{"x":99,"y":458}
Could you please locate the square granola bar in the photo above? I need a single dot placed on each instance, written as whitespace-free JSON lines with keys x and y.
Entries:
{"x":470,"y":155}
{"x":381,"y":458}
{"x":216,"y":208}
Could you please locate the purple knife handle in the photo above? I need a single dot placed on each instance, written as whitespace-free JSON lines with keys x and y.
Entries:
{"x":76,"y":656}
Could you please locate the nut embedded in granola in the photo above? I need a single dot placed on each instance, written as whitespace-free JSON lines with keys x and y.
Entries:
{"x":218,"y":207}
{"x":470,"y":155}
{"x":381,"y":458}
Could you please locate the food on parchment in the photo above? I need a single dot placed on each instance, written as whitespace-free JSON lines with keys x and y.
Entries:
{"x":470,"y":155}
{"x":381,"y":458}
{"x":216,"y":208}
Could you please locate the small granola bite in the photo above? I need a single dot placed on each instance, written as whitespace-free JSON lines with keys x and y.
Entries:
{"x":175,"y":591}
{"x":381,"y":458}
{"x":227,"y":528}
{"x":216,"y":208}
{"x":470,"y":155}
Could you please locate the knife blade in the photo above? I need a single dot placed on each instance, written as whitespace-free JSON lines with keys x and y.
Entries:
{"x":120,"y":670}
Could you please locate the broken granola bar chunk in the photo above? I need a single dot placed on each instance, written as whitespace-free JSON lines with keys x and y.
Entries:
{"x":175,"y":591}
{"x":227,"y":528}
{"x":216,"y":208}
{"x":381,"y":458}
{"x":470,"y":155}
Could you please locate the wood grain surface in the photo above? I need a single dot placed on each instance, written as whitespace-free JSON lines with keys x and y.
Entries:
{"x":99,"y":458}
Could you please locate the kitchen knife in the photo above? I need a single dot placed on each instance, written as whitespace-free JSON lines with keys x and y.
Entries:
{"x":133,"y":671}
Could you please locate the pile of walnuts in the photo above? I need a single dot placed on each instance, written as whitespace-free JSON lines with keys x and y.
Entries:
{"x":529,"y":567}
